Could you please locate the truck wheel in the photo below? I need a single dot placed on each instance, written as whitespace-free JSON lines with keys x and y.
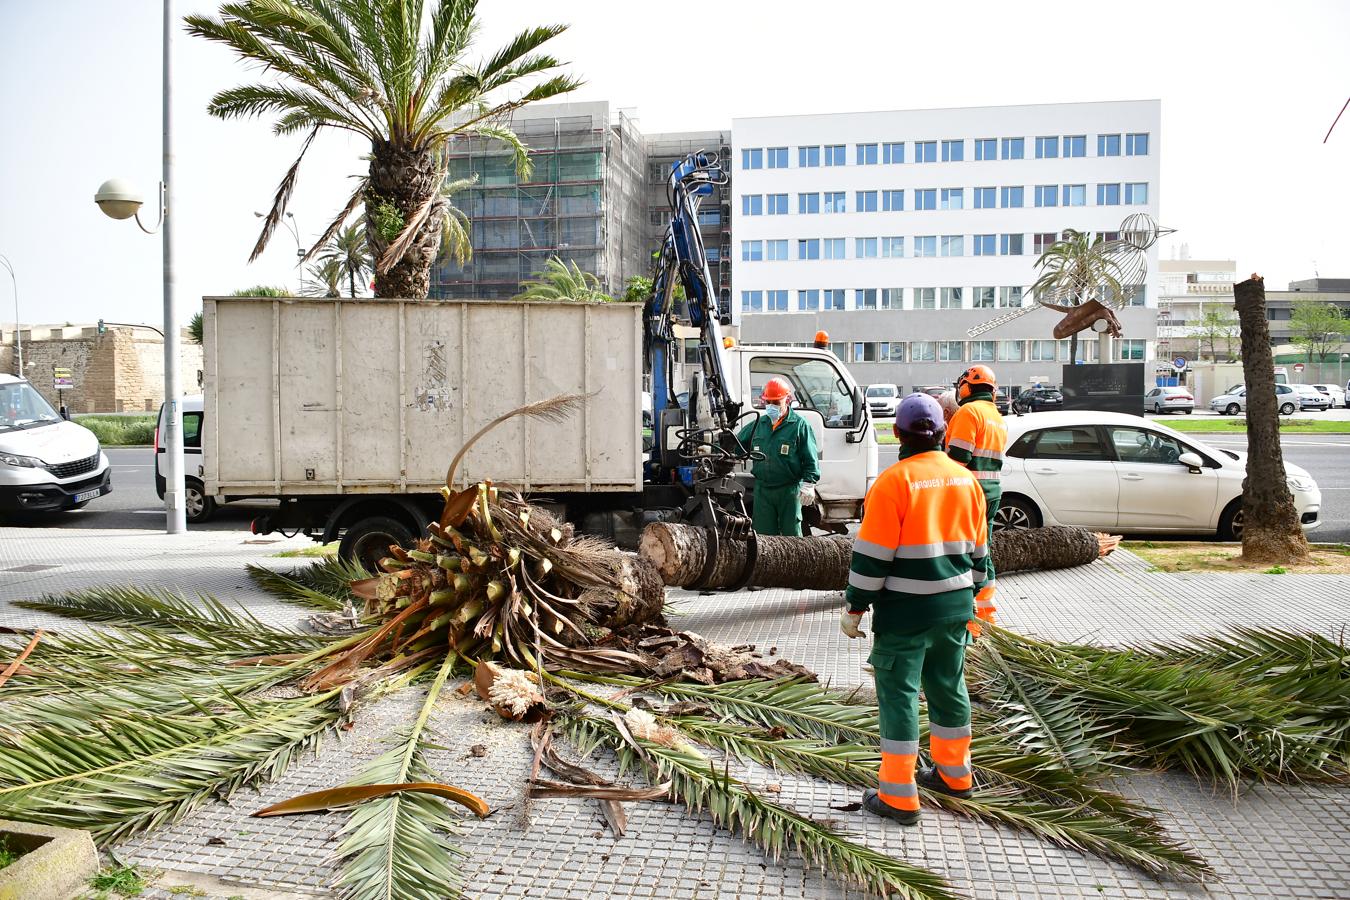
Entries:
{"x":367,"y":541}
{"x":200,"y":506}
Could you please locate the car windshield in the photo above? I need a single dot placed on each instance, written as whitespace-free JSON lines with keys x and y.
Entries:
{"x":22,"y":407}
{"x":881,"y":391}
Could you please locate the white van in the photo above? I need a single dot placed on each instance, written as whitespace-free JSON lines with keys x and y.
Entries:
{"x":882,"y":399}
{"x":199,"y":505}
{"x":46,"y":463}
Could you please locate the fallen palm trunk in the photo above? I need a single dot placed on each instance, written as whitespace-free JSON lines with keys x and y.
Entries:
{"x":680,"y":554}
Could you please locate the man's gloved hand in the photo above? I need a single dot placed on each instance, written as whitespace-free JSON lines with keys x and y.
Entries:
{"x":849,"y":622}
{"x":974,"y":627}
{"x":806,"y":495}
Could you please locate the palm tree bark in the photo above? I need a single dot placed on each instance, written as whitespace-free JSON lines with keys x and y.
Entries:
{"x":407,"y":180}
{"x":1271,"y":531}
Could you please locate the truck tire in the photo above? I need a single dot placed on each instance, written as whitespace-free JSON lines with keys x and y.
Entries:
{"x":367,"y":541}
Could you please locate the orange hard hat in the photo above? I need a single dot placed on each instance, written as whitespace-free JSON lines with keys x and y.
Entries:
{"x":822,"y":339}
{"x":974,"y":378}
{"x":777,"y":389}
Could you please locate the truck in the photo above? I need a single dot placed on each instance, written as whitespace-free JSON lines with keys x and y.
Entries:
{"x":347,"y":411}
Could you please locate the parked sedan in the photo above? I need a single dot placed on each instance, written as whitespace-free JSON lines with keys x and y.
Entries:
{"x":1121,"y":473}
{"x":1310,"y":397}
{"x":1039,"y":399}
{"x":1168,"y":400}
{"x":1334,"y":393}
{"x":1235,"y":401}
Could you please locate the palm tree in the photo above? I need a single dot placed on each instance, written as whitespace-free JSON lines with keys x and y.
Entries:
{"x":1073,"y":270}
{"x":325,"y":279}
{"x":397,"y":74}
{"x":348,"y":250}
{"x":562,"y":281}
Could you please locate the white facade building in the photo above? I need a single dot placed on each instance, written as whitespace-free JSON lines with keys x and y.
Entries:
{"x":897,"y":231}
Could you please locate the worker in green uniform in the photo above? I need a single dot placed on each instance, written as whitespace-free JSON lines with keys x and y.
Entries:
{"x":787,"y":474}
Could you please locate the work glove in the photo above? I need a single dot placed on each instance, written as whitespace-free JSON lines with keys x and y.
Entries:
{"x":974,"y":627}
{"x":806,"y":495}
{"x":849,"y":622}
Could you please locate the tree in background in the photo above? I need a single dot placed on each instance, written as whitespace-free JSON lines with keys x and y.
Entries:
{"x":347,"y":250}
{"x":562,"y":281}
{"x":261,"y":290}
{"x":1218,"y":327}
{"x":1074,"y":269}
{"x":397,"y":73}
{"x":195,"y":328}
{"x":1316,"y":327}
{"x":325,"y":280}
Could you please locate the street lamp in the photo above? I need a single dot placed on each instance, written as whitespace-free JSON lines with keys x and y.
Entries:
{"x":18,"y":330}
{"x":119,"y":200}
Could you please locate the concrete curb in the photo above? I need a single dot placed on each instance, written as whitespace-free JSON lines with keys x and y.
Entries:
{"x":56,"y":864}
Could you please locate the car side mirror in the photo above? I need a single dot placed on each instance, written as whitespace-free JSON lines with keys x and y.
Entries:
{"x":1191,"y":461}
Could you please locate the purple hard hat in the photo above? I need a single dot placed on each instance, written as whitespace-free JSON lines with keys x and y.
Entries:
{"x":920,"y":414}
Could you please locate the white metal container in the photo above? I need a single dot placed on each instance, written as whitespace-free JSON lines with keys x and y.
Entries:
{"x":341,"y":396}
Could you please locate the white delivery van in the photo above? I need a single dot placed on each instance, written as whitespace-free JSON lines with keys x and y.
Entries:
{"x":199,"y":505}
{"x":46,"y":463}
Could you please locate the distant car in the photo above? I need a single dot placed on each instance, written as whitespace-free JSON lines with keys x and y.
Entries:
{"x":1003,"y":401}
{"x":1310,"y":397}
{"x":1235,"y":401}
{"x":1334,"y":393}
{"x":882,"y":399}
{"x":1041,"y":399}
{"x":1120,"y":473}
{"x":199,"y":505}
{"x":1168,"y":400}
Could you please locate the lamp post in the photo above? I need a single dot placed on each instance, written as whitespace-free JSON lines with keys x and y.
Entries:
{"x":294,"y":229}
{"x":18,"y":330}
{"x":121,"y":201}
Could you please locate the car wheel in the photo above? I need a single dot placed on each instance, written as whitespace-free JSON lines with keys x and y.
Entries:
{"x":1230,"y":523}
{"x":367,"y":541}
{"x":1287,"y":409}
{"x":1157,"y":409}
{"x":1017,"y":512}
{"x":1188,"y":411}
{"x":1231,"y":409}
{"x":200,"y":506}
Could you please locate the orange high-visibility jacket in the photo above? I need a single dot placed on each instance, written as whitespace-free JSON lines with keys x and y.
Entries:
{"x":977,"y":438}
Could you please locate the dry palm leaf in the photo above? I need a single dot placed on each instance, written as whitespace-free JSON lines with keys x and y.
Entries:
{"x":333,"y":798}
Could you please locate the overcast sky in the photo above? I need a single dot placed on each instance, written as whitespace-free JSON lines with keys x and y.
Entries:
{"x":1248,"y":90}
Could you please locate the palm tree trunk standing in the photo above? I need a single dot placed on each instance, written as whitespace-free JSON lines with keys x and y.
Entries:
{"x":1073,"y":349}
{"x":407,"y":180}
{"x":351,"y":280}
{"x":1271,"y":532}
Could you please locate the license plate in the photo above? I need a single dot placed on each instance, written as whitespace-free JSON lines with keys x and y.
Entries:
{"x":88,"y":495}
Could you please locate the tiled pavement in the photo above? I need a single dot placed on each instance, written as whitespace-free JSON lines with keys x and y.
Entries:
{"x":1270,"y":841}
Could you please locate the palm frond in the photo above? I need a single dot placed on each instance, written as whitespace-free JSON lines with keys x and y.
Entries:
{"x":336,"y":225}
{"x":854,"y":764}
{"x":802,"y":708}
{"x":553,"y":409}
{"x":322,"y":585}
{"x":281,"y":199}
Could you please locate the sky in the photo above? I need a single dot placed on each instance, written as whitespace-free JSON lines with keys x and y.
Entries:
{"x":1248,"y":91}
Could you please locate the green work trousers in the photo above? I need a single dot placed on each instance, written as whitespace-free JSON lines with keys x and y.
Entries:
{"x":778,"y":510}
{"x":934,"y":658}
{"x":991,"y":504}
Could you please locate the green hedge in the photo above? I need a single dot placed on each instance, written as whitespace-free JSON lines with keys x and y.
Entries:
{"x":115,"y":431}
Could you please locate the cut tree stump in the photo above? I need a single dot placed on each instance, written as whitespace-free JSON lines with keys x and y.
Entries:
{"x":679,"y":553}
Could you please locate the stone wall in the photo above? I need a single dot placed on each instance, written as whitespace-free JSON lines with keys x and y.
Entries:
{"x":121,"y":370}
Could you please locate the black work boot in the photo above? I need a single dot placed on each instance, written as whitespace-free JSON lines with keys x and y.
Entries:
{"x":930,"y":778}
{"x":873,"y":803}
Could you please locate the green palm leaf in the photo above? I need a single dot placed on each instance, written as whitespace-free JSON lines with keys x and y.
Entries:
{"x":322,"y":585}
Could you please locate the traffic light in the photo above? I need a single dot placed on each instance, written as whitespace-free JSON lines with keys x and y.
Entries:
{"x":102,"y":329}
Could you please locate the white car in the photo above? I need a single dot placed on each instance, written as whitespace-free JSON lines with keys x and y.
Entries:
{"x":1235,"y":401}
{"x":1334,"y":392}
{"x":882,"y":399}
{"x":1120,"y":473}
{"x":46,"y":463}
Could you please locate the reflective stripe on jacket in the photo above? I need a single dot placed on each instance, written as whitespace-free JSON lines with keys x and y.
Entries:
{"x":977,"y":438}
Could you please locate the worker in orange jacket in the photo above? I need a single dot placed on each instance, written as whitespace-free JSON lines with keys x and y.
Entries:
{"x":977,"y":438}
{"x":917,"y":560}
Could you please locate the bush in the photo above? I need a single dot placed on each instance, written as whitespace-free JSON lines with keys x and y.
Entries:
{"x":120,"y":431}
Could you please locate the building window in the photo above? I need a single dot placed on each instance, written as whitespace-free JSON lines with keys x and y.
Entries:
{"x":834,"y":202}
{"x":892,"y":298}
{"x":775,"y":301}
{"x":833,"y":299}
{"x":777,"y":157}
{"x":808,"y":203}
{"x":891,"y":351}
{"x":892,"y":201}
{"x":986,"y":148}
{"x":865,"y":298}
{"x":1108,"y":195}
{"x":1131,"y":348}
{"x":752,"y":251}
{"x":808,"y":300}
{"x":1136,"y":193}
{"x":834,"y":248}
{"x":953,"y":151}
{"x":1014,"y":148}
{"x":777,"y":204}
{"x":1043,"y":351}
{"x":864,"y":351}
{"x":984,"y":245}
{"x":866,"y":201}
{"x":752,"y":204}
{"x":865,"y":248}
{"x":925,"y":198}
{"x":925,"y":151}
{"x":1011,"y":197}
{"x":1009,"y":351}
{"x":1075,"y":145}
{"x":1010,"y":297}
{"x":925,"y":298}
{"x":982,"y":298}
{"x":1010,"y":245}
{"x":867,"y":154}
{"x":893,"y":247}
{"x":985,"y":197}
{"x":834,"y":154}
{"x":893,"y":153}
{"x":1108,"y":145}
{"x":925,"y":246}
{"x":953,"y":198}
{"x":1047,"y":147}
{"x":1047,"y":195}
{"x":752,"y":159}
{"x":951,"y":351}
{"x":808,"y":248}
{"x":752,"y":301}
{"x":776,"y":250}
{"x":950,"y":298}
{"x":659,"y":217}
{"x":1108,"y":236}
{"x":709,"y":218}
{"x":1075,"y":195}
{"x":808,"y":157}
{"x":1043,"y":241}
{"x":922,"y":351}
{"x":1134,"y":294}
{"x":953,"y":245}
{"x":713,"y":254}
{"x":1136,"y":144}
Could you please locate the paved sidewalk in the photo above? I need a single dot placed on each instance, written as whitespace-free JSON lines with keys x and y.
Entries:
{"x":1275,"y":841}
